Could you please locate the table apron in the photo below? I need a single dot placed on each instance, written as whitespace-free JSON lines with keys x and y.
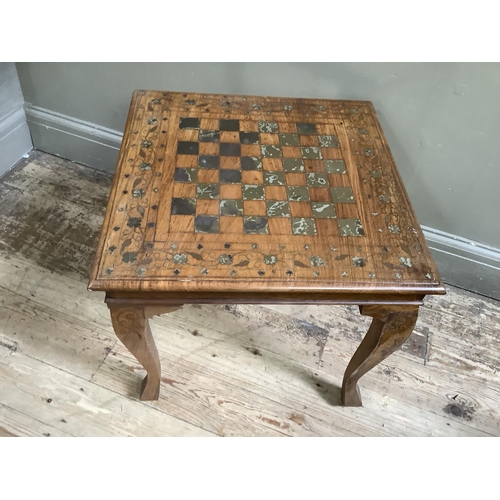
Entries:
{"x":141,"y":300}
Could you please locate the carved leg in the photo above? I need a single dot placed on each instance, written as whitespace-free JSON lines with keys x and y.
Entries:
{"x":391,"y":326}
{"x":131,"y":326}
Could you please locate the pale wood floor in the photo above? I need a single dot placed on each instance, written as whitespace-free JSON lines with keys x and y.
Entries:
{"x":227,"y":370}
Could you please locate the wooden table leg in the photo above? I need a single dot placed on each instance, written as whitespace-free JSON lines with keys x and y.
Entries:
{"x":391,"y":326}
{"x":131,"y":326}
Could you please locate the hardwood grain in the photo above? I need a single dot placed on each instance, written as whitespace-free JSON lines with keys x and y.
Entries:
{"x":280,"y":372}
{"x":63,"y":208}
{"x":77,"y":407}
{"x":18,"y":424}
{"x":131,"y":326}
{"x":279,"y":201}
{"x":148,"y":246}
{"x":277,"y":369}
{"x":389,"y":330}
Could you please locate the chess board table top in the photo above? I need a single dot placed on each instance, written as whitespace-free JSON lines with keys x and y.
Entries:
{"x":244,"y":194}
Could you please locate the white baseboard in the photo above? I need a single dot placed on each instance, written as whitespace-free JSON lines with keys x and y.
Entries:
{"x":461,"y":262}
{"x":465,"y":263}
{"x":15,"y":139}
{"x":72,"y":138}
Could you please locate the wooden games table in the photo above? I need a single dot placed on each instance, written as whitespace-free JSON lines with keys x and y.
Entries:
{"x":254,"y":200}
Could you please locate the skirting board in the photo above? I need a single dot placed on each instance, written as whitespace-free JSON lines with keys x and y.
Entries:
{"x":74,"y":139}
{"x":461,"y":262}
{"x":465,"y":263}
{"x":15,"y":139}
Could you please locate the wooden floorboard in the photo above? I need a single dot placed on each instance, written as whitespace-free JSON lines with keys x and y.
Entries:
{"x":235,"y":370}
{"x":77,"y":407}
{"x":17,"y":424}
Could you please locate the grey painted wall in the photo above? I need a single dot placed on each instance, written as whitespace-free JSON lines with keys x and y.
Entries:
{"x":442,"y":121}
{"x":15,"y":139}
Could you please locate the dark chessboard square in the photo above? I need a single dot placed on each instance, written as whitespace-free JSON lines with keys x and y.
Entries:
{"x":306,"y":128}
{"x":289,"y":140}
{"x":293,"y":165}
{"x":317,"y":179}
{"x":230,"y":176}
{"x":270,"y":151}
{"x":251,"y":163}
{"x":231,"y":207}
{"x":278,"y":208}
{"x":268,"y":127}
{"x":298,"y":193}
{"x":209,"y":136}
{"x":207,"y":191}
{"x":335,"y":166}
{"x":311,"y":153}
{"x":249,"y":137}
{"x":328,"y":141}
{"x":274,"y":178}
{"x":255,"y":225}
{"x":187,"y":148}
{"x":185,"y":174}
{"x":206,"y":224}
{"x":229,"y":125}
{"x":229,"y":149}
{"x":189,"y":123}
{"x":253,"y":192}
{"x":303,"y":225}
{"x":350,"y":227}
{"x":323,"y":210}
{"x":183,"y":206}
{"x":342,"y":195}
{"x":209,"y":162}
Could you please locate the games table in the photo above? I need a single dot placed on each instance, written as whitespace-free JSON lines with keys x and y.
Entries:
{"x":221,"y":199}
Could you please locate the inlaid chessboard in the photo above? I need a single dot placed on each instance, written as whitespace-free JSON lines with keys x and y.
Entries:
{"x":260,"y":177}
{"x":244,"y":193}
